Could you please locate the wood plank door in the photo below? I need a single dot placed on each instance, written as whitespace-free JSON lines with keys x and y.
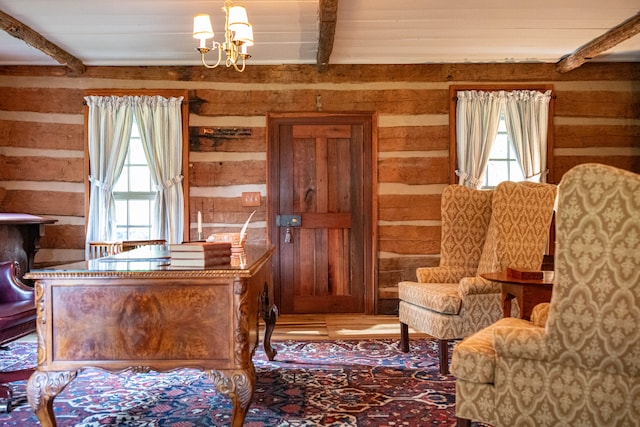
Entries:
{"x":320,"y":195}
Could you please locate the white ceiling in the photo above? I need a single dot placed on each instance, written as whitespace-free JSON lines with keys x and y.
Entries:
{"x":158,"y":32}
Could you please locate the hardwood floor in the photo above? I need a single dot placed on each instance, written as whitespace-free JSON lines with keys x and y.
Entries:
{"x":337,"y":326}
{"x":327,"y":327}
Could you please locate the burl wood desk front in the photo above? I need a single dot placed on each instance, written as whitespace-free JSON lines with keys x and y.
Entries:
{"x":133,"y":311}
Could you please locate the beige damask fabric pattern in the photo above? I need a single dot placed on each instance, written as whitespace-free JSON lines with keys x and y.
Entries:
{"x":465,"y":219}
{"x":520,"y":213}
{"x":516,"y":236}
{"x":581,"y":367}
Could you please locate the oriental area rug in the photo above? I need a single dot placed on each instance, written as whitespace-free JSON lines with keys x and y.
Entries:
{"x":311,"y":383}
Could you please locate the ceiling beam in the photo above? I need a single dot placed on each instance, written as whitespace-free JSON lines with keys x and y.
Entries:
{"x":23,"y":32}
{"x":595,"y":47}
{"x":328,"y":12}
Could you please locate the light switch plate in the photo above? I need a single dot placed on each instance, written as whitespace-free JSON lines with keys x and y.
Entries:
{"x":251,"y":198}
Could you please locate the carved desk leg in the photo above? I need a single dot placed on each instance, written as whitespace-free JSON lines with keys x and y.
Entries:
{"x":42,"y":388}
{"x":269,"y":314}
{"x":239,"y":385}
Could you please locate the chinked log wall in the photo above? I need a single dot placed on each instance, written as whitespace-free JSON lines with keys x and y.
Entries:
{"x":41,"y":139}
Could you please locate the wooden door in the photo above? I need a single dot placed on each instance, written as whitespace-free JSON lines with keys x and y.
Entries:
{"x":320,"y":213}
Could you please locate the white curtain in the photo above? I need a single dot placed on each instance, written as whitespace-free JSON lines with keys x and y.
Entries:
{"x":109,"y":130}
{"x":526,"y":116}
{"x":477,"y":120}
{"x":160,"y":123}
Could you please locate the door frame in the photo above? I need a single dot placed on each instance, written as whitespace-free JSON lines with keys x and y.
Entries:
{"x":370,"y":195}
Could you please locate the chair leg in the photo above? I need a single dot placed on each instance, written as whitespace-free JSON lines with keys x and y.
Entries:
{"x":463,"y":422}
{"x":404,"y":337}
{"x":6,"y":392}
{"x":443,"y":350}
{"x":6,"y":396}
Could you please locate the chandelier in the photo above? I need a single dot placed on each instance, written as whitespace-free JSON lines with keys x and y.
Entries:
{"x":238,"y":35}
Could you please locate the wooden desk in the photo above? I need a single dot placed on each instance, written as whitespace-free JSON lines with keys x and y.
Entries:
{"x":528,"y":292}
{"x":132,"y":311}
{"x":20,"y":238}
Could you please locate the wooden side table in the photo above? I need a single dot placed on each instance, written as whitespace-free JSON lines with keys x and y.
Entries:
{"x":528,"y":292}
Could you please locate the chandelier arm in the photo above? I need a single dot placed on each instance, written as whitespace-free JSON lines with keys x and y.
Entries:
{"x":235,"y":65}
{"x":216,"y":46}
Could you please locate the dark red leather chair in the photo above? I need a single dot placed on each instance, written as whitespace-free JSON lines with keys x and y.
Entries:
{"x":17,"y":319}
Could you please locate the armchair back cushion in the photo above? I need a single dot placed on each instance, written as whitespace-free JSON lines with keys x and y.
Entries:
{"x":519,"y":229}
{"x":465,"y":215}
{"x":594,"y":315}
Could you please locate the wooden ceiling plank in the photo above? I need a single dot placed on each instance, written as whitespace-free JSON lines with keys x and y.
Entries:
{"x":328,"y":12}
{"x":595,"y":47}
{"x":17,"y":29}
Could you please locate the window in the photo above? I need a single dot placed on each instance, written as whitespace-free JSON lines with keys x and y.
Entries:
{"x":503,"y":164}
{"x":481,"y":109}
{"x":136,"y":209}
{"x":133,"y":193}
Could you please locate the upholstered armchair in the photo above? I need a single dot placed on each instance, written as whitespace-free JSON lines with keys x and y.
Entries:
{"x":482,"y":232}
{"x":17,"y":319}
{"x":578,"y":361}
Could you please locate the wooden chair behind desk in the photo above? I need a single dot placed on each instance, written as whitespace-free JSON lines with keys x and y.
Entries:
{"x":103,"y":249}
{"x":128,"y":245}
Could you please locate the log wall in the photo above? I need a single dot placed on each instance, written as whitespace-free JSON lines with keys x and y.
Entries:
{"x":597,"y":119}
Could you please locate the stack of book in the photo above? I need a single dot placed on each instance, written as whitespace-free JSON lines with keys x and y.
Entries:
{"x":200,"y":254}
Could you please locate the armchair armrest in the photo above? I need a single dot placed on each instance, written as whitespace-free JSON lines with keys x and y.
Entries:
{"x":442,"y":274}
{"x":11,"y":288}
{"x":478,"y":285}
{"x":540,"y":314}
{"x":523,"y":342}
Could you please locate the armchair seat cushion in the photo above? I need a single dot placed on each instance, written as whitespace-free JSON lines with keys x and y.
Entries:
{"x":16,"y":313}
{"x":475,"y":356}
{"x":440,"y":297}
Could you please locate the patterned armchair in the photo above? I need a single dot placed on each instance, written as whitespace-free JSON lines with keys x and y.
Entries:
{"x":451,"y":301}
{"x":581,"y":366}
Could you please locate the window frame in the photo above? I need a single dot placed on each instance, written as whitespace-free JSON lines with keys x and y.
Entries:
{"x":167,"y":93}
{"x":453,"y":153}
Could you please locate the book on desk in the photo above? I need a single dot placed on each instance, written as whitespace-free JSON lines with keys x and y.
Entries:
{"x":200,"y":254}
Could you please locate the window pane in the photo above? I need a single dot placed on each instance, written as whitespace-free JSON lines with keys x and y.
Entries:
{"x":121,"y":212}
{"x":500,"y":147}
{"x":135,"y":132}
{"x":136,"y":153}
{"x":133,"y":193}
{"x":121,"y":184}
{"x":497,"y":172}
{"x":502,"y":164}
{"x":140,"y":178}
{"x":516,"y":172}
{"x":139,"y":233}
{"x":121,"y":233}
{"x":502,"y":126}
{"x":139,"y":212}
